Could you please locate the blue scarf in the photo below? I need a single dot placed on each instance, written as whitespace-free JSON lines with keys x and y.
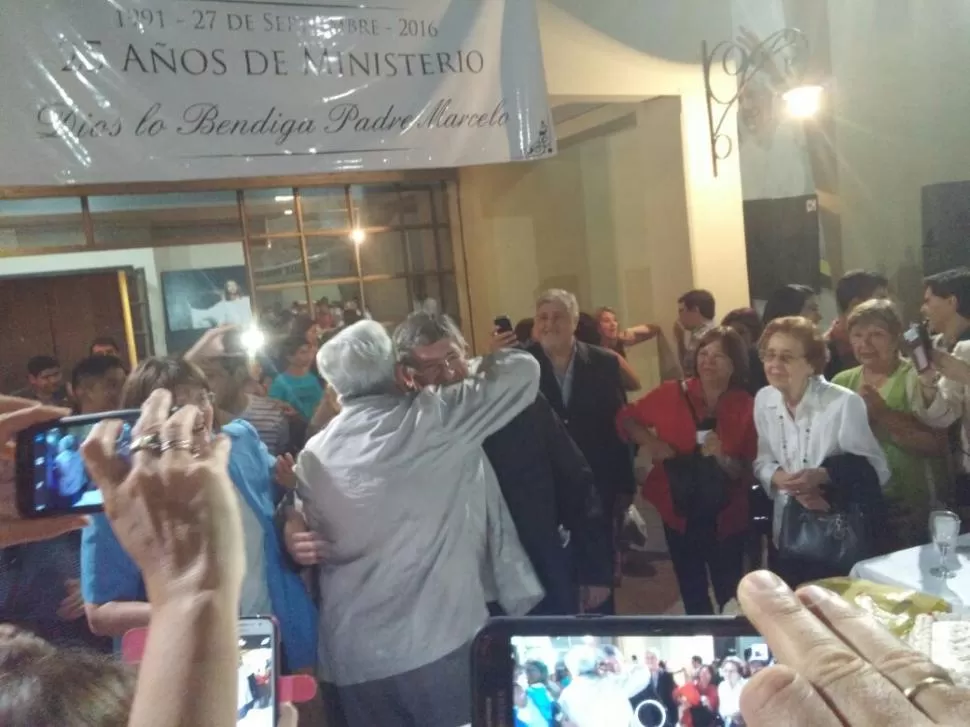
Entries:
{"x":250,"y":465}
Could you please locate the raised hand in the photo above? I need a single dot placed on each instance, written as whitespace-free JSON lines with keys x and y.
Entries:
{"x":173,"y":508}
{"x":285,"y":471}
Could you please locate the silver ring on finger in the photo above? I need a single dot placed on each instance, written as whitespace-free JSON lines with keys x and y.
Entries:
{"x":183,"y":445}
{"x":146,"y":443}
{"x":911,"y":692}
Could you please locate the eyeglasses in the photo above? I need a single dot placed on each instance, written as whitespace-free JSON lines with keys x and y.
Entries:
{"x":784,"y":358}
{"x":449,"y":364}
{"x":200,"y":399}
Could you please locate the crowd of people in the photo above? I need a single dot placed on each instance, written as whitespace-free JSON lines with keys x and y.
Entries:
{"x":596,"y":684}
{"x":391,"y":492}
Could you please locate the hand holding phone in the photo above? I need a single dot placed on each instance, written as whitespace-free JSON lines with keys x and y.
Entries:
{"x":917,"y":339}
{"x":504,"y":335}
{"x":503,"y":324}
{"x":51,"y":478}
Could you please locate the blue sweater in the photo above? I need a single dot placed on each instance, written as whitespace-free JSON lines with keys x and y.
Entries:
{"x":109,"y":574}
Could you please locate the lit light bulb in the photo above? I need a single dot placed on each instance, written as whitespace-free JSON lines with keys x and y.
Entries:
{"x":358,"y":235}
{"x":803,"y":102}
{"x":252,"y":340}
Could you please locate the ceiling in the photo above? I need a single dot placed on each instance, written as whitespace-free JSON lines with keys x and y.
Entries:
{"x":569,"y":111}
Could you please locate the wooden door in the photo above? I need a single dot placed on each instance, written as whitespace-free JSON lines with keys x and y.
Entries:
{"x":25,"y":330}
{"x":57,"y":315}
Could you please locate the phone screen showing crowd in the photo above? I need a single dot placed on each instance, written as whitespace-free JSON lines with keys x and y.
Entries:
{"x":61,"y":481}
{"x":651,"y":681}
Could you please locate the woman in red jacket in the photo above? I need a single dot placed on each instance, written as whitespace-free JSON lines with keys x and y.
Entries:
{"x":710,"y":415}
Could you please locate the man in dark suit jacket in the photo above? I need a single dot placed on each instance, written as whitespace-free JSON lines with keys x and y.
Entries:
{"x":550,"y":492}
{"x":660,"y":689}
{"x":546,"y":482}
{"x":583,"y":385}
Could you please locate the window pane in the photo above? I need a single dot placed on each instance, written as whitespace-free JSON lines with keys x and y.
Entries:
{"x":276,"y":261}
{"x":330,"y":257}
{"x":437,"y":293}
{"x":449,"y":296}
{"x":37,"y":223}
{"x":383,"y":254}
{"x":339,"y":297}
{"x":440,"y":199}
{"x":421,"y":248}
{"x":426,"y":293}
{"x":324,"y":209}
{"x":416,"y":206}
{"x":376,"y":205}
{"x":145,"y":219}
{"x":269,"y":302}
{"x":270,"y":211}
{"x":387,"y":301}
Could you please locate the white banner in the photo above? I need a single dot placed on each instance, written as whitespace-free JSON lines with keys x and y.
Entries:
{"x":151,"y":90}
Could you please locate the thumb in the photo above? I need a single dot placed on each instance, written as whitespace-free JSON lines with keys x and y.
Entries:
{"x":100,"y":456}
{"x":221,"y":446}
{"x":289,"y":717}
{"x":15,"y":420}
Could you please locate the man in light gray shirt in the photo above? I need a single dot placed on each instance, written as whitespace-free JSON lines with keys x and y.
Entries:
{"x":398,"y":485}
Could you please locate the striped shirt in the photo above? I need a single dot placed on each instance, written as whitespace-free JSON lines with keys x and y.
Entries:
{"x":269,"y":422}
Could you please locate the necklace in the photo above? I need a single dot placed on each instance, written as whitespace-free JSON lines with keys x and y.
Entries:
{"x":802,"y":449}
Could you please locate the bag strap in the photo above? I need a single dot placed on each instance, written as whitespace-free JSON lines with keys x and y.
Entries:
{"x":690,"y":404}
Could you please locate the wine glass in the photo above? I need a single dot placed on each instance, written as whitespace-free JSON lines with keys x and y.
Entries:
{"x":944,"y":528}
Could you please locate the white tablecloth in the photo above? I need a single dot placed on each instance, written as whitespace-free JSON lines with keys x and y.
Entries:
{"x":911,"y":569}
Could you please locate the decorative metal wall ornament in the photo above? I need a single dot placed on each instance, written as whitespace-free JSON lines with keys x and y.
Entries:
{"x":779,"y":61}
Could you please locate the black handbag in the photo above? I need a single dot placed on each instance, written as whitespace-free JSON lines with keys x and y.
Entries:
{"x":698,"y":485}
{"x":831,"y":541}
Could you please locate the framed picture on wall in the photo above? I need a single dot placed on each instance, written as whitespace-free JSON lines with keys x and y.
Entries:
{"x":197,"y":300}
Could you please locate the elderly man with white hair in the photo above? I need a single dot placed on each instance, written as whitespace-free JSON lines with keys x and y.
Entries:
{"x":593,"y":698}
{"x":399,"y":486}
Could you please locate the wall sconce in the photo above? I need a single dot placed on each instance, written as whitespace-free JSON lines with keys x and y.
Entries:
{"x":782,"y":56}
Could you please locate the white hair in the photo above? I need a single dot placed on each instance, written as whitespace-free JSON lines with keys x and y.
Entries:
{"x":561,"y":297}
{"x":359,"y":360}
{"x":582,"y":660}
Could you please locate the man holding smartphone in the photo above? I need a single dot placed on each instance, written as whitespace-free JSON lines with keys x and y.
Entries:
{"x":946,"y":306}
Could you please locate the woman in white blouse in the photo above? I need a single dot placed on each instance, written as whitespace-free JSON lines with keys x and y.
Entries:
{"x":729,"y":691}
{"x":802,"y":420}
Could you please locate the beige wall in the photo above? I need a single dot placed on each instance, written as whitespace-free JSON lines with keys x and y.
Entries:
{"x":629,"y":214}
{"x":613,"y":218}
{"x":900,"y":106}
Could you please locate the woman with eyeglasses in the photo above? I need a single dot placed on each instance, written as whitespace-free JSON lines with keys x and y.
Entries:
{"x":707,"y":417}
{"x":114,"y":592}
{"x":804,"y":422}
{"x":889,"y":385}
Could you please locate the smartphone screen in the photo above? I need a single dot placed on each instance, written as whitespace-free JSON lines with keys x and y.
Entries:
{"x":50,"y":473}
{"x":503,"y":324}
{"x":256,"y":705}
{"x":634,"y":676}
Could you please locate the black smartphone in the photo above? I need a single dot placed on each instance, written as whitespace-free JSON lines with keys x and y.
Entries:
{"x":503,"y":324}
{"x":50,"y":474}
{"x":605,"y":670}
{"x":920,"y":344}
